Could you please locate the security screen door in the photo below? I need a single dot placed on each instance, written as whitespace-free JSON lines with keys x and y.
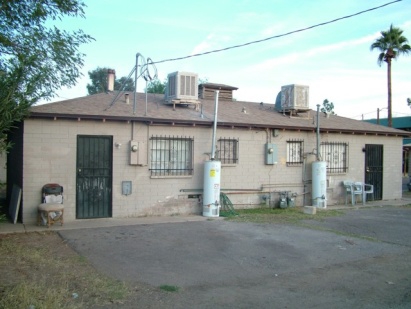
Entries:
{"x":374,"y":168}
{"x":94,"y":176}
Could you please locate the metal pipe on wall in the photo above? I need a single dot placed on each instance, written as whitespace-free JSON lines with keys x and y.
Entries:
{"x":135,"y":84}
{"x":318,"y":132}
{"x":214,"y":125}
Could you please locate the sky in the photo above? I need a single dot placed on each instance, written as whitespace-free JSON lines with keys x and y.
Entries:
{"x":333,"y":60}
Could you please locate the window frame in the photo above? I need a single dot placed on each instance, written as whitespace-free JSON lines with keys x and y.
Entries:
{"x":293,"y":144}
{"x":228,"y":156}
{"x":336,"y":156}
{"x":171,"y":156}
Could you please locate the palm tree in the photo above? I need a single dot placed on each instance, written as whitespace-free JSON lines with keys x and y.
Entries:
{"x":391,"y":44}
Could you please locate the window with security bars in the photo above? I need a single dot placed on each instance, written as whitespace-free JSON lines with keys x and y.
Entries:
{"x":171,"y":156}
{"x":227,"y":150}
{"x":295,"y":150}
{"x":336,"y":156}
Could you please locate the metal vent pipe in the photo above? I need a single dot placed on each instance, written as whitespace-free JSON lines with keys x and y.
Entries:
{"x":318,"y":133}
{"x":215,"y":125}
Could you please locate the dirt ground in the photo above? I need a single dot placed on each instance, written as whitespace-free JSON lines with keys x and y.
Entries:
{"x":358,"y":260}
{"x":34,"y":265}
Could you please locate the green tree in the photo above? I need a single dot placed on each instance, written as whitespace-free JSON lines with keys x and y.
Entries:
{"x":328,"y":107}
{"x":391,"y":45}
{"x":99,"y":79}
{"x":36,"y":57}
{"x":156,"y":86}
{"x":127,"y":83}
{"x":409,"y":102}
{"x":203,"y":80}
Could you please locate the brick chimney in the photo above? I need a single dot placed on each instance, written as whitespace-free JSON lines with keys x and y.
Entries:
{"x":111,"y":76}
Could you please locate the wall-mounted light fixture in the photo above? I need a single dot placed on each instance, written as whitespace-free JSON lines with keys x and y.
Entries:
{"x":118,"y":145}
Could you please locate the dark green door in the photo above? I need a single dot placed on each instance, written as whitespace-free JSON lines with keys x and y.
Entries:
{"x":94,"y":176}
{"x":374,"y":167}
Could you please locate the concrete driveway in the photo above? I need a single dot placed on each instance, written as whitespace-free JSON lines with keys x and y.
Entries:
{"x":359,"y":260}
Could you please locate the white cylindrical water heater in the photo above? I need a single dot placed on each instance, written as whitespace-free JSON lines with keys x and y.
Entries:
{"x":319,"y":184}
{"x":211,"y":189}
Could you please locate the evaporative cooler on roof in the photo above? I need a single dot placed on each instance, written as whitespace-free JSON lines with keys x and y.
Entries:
{"x":182,"y":86}
{"x":294,"y":98}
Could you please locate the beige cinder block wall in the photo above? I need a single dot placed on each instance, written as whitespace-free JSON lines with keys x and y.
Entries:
{"x":50,"y":156}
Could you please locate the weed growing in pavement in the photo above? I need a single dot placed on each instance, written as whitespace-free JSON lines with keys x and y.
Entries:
{"x":169,"y":288}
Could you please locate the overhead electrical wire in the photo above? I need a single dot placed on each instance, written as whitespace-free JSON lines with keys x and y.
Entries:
{"x":277,"y":36}
{"x":153,"y":63}
{"x":376,"y":112}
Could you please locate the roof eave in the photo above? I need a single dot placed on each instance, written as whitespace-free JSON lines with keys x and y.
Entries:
{"x":207,"y":123}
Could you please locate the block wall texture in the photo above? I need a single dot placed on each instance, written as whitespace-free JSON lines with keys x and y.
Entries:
{"x":50,"y":157}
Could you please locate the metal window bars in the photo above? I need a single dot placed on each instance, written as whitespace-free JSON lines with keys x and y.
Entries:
{"x":171,"y":156}
{"x":336,"y":156}
{"x":295,"y":151}
{"x":227,"y":150}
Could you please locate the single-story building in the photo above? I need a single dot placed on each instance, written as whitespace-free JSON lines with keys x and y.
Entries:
{"x":144,"y":154}
{"x":401,"y":123}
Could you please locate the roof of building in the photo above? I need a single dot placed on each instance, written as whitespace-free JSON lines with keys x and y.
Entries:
{"x":403,"y":123}
{"x":217,"y":86}
{"x":235,"y":114}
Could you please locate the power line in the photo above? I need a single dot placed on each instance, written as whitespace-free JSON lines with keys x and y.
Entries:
{"x":376,"y":111}
{"x":277,"y":36}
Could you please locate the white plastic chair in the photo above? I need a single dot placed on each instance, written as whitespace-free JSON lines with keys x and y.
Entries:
{"x":348,"y":189}
{"x":353,"y":189}
{"x":358,"y":190}
{"x":368,"y":189}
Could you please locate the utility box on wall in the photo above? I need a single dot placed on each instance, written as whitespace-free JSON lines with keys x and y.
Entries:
{"x":138,"y":153}
{"x":271,"y":153}
{"x":126,"y":187}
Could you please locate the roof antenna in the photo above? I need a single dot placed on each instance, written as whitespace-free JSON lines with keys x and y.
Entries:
{"x":144,"y":71}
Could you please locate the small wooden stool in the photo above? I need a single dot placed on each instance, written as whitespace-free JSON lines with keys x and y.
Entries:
{"x":53,"y":212}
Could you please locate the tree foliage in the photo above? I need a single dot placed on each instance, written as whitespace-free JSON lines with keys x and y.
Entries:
{"x":127,"y":84}
{"x":156,"y":86}
{"x":391,"y":45}
{"x":36,"y":58}
{"x":99,"y":79}
{"x":328,"y":107}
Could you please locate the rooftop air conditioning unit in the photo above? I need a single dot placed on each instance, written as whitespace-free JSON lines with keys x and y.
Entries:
{"x":182,"y":86}
{"x":294,"y":97}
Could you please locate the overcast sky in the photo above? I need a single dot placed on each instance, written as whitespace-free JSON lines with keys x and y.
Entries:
{"x":334,"y":60}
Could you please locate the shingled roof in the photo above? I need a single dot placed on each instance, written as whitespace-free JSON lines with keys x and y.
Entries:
{"x":233,"y":114}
